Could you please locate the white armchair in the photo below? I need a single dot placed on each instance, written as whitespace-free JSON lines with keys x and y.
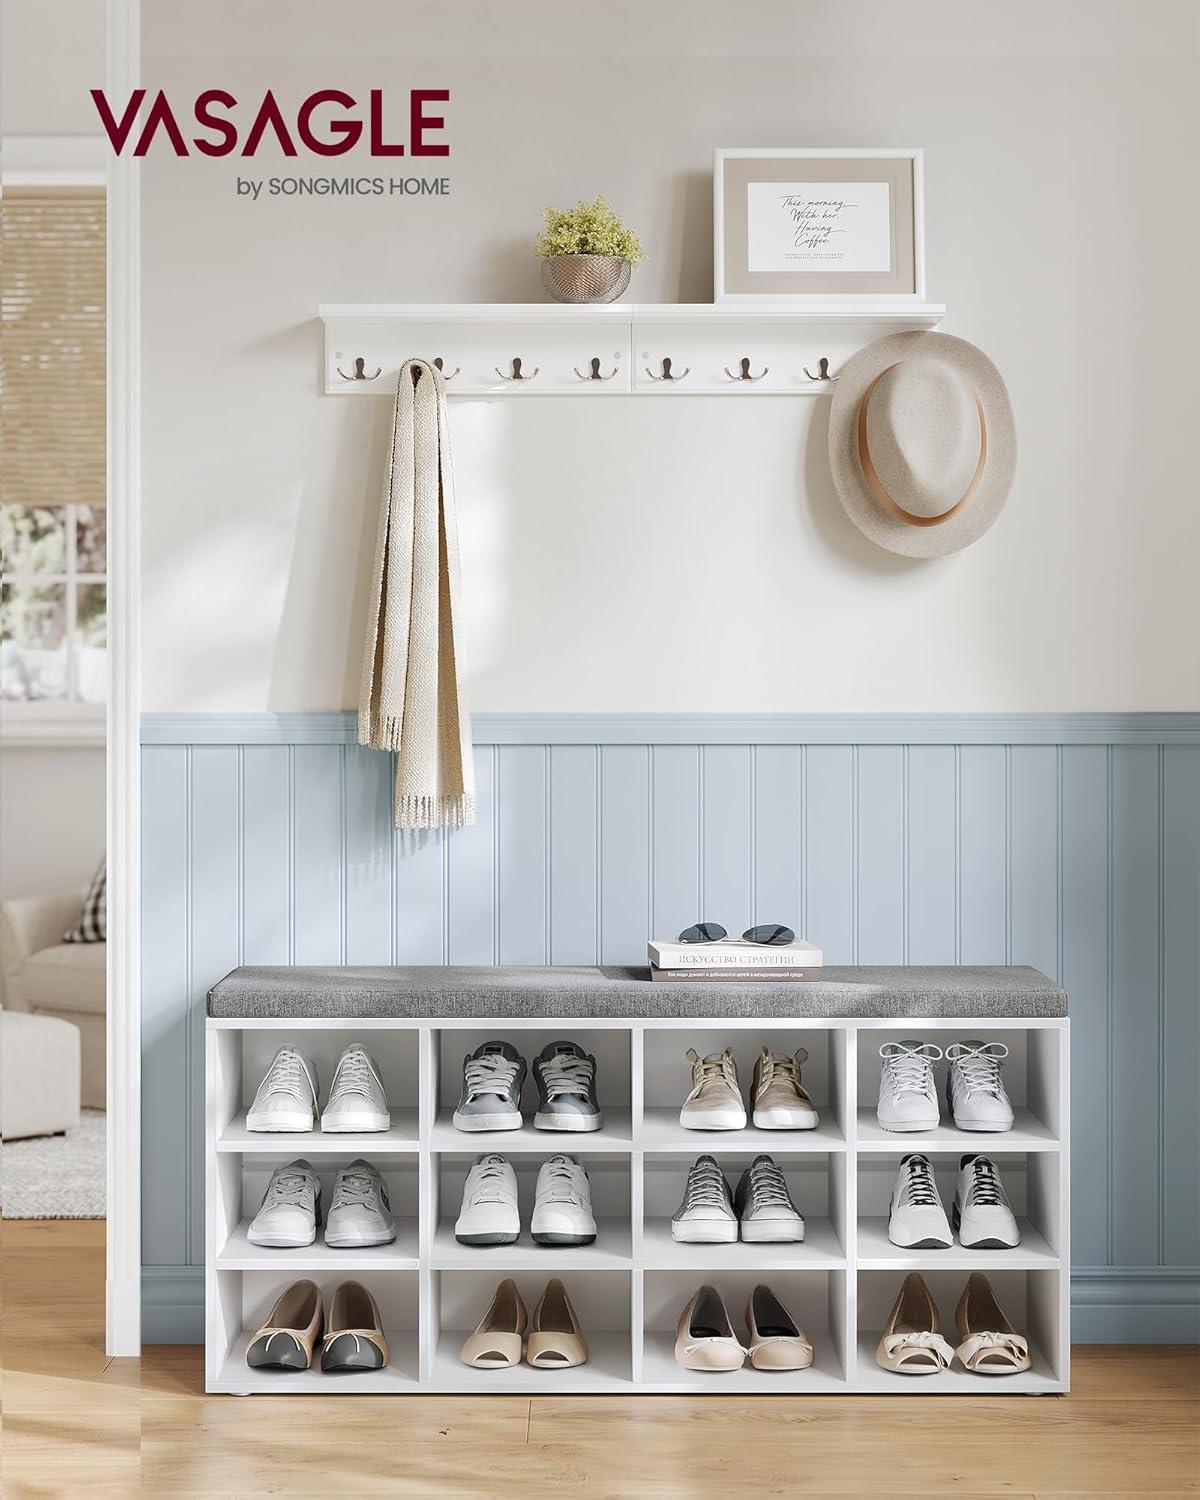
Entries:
{"x":47,"y":977}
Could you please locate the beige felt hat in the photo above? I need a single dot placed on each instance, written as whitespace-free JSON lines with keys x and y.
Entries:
{"x":921,"y":443}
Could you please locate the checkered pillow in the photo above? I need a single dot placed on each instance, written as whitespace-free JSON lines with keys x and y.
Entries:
{"x":93,"y":919}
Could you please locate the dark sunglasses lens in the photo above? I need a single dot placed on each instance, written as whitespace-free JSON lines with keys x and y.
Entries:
{"x":769,"y":933}
{"x":703,"y":932}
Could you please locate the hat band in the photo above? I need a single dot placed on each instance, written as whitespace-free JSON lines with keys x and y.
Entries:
{"x":875,"y":484}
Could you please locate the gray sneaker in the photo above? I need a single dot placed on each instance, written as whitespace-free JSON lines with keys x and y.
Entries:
{"x":764,"y":1204}
{"x":493,"y":1076}
{"x":566,"y":1080}
{"x":360,"y":1214}
{"x":706,"y":1216}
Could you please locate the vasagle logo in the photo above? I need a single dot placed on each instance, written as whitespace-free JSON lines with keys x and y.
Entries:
{"x":327,"y":123}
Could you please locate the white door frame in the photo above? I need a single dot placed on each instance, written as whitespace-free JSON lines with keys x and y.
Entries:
{"x":124,"y":1252}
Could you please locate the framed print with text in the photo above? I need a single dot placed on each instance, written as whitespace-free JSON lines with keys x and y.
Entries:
{"x":817,"y":223}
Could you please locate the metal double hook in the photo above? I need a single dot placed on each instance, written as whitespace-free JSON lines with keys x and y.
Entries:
{"x":822,"y":371}
{"x":516,"y":371}
{"x":667,"y":372}
{"x":442,"y":369}
{"x":359,"y":371}
{"x":595,"y":371}
{"x":744,"y":369}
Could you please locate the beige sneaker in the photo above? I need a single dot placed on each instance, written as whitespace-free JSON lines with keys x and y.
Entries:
{"x":715,"y":1102}
{"x":780,"y":1101}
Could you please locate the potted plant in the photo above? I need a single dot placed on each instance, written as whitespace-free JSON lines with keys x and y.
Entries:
{"x":587,"y":253}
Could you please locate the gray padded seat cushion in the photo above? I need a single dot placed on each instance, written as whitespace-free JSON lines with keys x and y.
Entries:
{"x":434,"y":993}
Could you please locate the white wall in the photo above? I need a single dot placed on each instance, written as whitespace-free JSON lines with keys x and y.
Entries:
{"x":684,"y":555}
{"x":51,"y":819}
{"x":51,"y":54}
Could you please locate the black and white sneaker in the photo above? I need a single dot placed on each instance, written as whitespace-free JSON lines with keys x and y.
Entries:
{"x":916,"y":1218}
{"x":566,"y":1081}
{"x":291,"y":1208}
{"x":982,"y":1215}
{"x":360,"y":1214}
{"x":764,"y":1205}
{"x":706,"y":1216}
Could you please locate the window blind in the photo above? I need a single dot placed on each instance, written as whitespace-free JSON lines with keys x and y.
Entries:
{"x":52,"y":346}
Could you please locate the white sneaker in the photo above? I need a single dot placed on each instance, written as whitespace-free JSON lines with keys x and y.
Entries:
{"x":489,"y":1214}
{"x":916,"y":1218}
{"x":356,"y":1097}
{"x":286,"y":1099}
{"x":360,"y":1214}
{"x":975,"y":1091}
{"x":562,"y":1210}
{"x":290,"y":1209}
{"x":706,"y":1216}
{"x":981,"y":1211}
{"x":907,"y":1093}
{"x":715,"y":1102}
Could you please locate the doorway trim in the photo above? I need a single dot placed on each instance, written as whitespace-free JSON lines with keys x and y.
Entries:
{"x":123,"y":1320}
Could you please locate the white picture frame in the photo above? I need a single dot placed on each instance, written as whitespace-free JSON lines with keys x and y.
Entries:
{"x":748,"y":261}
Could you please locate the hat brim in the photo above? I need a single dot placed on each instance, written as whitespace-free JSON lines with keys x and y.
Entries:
{"x":987,"y":501}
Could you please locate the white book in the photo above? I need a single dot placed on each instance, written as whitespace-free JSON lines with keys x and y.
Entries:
{"x":734,"y":953}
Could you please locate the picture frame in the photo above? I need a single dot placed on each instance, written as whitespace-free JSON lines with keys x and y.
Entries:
{"x":778,"y":237}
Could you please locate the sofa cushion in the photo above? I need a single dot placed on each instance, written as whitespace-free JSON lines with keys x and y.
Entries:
{"x":69,"y":977}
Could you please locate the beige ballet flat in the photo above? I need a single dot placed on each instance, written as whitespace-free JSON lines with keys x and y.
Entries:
{"x":990,"y":1344}
{"x":912,"y":1343}
{"x":704,"y":1336}
{"x":286,"y":1339}
{"x":496,"y":1343}
{"x":776,"y":1342}
{"x":556,"y":1341}
{"x":354,"y":1337}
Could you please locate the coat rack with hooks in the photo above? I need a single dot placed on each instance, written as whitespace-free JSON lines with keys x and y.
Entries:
{"x":523,"y":351}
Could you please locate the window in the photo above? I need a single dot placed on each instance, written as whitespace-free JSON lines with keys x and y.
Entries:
{"x":52,"y":604}
{"x":52,"y":424}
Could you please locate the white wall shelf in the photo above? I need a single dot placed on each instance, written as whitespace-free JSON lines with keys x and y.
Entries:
{"x":630,"y":1285}
{"x":704,"y":343}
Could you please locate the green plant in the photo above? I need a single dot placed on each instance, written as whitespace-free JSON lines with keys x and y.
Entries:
{"x":588,"y":229}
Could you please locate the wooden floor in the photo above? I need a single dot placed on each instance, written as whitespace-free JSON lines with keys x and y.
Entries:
{"x":78,"y":1424}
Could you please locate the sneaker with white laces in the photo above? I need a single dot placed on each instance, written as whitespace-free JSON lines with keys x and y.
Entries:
{"x":707,"y":1215}
{"x":975,"y":1093}
{"x":562,"y":1209}
{"x":764,"y":1205}
{"x":489,"y":1214}
{"x":360,"y":1214}
{"x":916,"y":1218}
{"x":290,"y":1209}
{"x":493,"y":1076}
{"x":907,"y":1093}
{"x":715,"y":1102}
{"x":286,"y":1099}
{"x":781,"y":1102}
{"x":982,"y":1214}
{"x":566,"y":1081}
{"x":357,"y":1100}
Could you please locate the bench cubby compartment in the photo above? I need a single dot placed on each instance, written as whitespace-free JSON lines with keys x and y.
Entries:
{"x":602,"y":1300}
{"x":1032,"y":1300}
{"x":817,"y":1301}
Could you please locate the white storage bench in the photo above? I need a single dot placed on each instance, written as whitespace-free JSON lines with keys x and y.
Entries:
{"x":630,"y":1285}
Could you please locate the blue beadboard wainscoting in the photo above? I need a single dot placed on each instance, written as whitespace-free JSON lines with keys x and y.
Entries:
{"x":1071,"y":842}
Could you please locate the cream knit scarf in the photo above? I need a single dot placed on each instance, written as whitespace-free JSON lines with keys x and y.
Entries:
{"x":411,"y":699}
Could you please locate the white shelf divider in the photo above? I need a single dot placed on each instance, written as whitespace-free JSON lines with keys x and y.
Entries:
{"x":430,"y":1285}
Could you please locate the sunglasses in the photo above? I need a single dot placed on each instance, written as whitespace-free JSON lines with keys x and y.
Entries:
{"x":767,"y":935}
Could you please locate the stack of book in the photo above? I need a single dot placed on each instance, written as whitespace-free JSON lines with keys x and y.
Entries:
{"x":733,"y":960}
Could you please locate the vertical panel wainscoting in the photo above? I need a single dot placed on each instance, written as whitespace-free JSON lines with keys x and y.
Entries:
{"x":1068,"y":842}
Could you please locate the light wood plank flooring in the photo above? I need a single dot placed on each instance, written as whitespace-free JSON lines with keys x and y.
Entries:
{"x":77,"y":1423}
